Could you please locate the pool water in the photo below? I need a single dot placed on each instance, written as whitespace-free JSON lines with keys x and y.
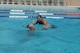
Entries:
{"x":14,"y":37}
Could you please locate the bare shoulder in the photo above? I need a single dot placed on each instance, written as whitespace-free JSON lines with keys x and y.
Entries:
{"x":45,"y":20}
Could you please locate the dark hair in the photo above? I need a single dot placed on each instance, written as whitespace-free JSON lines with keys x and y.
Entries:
{"x":39,"y":16}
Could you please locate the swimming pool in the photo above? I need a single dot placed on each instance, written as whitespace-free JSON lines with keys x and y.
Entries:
{"x":14,"y":38}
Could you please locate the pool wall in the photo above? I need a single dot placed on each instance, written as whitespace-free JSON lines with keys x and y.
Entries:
{"x":15,"y":11}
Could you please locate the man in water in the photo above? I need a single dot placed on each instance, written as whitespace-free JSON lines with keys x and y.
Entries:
{"x":40,"y":20}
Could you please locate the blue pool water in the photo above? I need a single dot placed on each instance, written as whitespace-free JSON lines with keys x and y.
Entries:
{"x":14,"y":38}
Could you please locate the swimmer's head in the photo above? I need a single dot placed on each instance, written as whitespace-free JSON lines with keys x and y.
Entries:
{"x":39,"y":17}
{"x":30,"y":27}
